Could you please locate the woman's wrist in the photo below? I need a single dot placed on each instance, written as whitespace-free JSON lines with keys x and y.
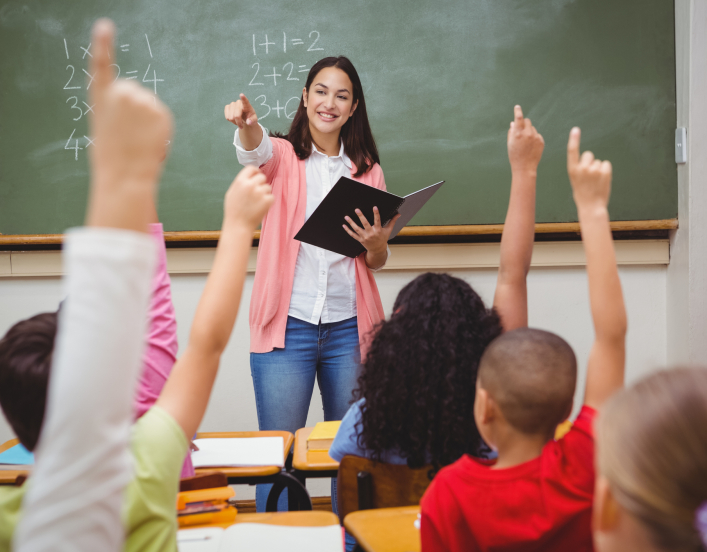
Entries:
{"x":374,"y":261}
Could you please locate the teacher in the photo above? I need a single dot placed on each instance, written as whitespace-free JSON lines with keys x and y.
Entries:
{"x":311,"y":309}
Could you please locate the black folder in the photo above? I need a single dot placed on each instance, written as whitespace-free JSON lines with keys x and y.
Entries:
{"x":325,"y":227}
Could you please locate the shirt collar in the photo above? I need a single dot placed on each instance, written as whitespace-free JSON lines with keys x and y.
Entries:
{"x":342,"y":154}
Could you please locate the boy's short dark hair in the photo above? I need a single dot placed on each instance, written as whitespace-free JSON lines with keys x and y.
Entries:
{"x":25,"y":361}
{"x":531,"y":374}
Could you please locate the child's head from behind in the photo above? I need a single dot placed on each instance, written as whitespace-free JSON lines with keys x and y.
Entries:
{"x":652,"y":465}
{"x":25,"y":361}
{"x":527,"y":380}
{"x":419,"y":373}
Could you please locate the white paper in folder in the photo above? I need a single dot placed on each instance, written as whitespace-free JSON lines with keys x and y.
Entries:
{"x":259,"y":537}
{"x":239,"y":452}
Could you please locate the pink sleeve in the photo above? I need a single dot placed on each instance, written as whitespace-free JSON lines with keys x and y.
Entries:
{"x":272,"y":166}
{"x":161,"y":348}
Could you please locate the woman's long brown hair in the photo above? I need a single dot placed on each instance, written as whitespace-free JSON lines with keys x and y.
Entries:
{"x":356,"y":134}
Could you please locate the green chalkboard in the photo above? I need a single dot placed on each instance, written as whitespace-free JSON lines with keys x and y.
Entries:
{"x":440,"y":76}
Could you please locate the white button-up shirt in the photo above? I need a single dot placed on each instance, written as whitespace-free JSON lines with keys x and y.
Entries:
{"x":324,"y":287}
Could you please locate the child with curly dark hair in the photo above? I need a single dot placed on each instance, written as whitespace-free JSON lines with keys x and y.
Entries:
{"x":414,"y":405}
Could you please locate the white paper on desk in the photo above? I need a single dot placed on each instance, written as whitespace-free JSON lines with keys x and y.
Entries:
{"x":260,"y":537}
{"x":207,"y":539}
{"x":239,"y":452}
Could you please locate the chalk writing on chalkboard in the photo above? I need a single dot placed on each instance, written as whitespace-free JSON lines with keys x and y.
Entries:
{"x":78,"y":109}
{"x":264,"y":73}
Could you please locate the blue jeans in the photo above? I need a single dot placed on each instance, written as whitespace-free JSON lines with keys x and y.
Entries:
{"x":284,"y":381}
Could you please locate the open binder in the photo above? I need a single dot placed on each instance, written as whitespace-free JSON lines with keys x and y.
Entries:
{"x":324,"y":228}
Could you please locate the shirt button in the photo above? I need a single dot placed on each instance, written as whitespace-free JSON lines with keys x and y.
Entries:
{"x":323,"y":273}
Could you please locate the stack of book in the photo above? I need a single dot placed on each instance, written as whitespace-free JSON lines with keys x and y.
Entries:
{"x":205,"y":506}
{"x":322,"y":436}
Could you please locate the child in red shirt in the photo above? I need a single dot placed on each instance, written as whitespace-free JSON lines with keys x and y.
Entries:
{"x":538,"y":494}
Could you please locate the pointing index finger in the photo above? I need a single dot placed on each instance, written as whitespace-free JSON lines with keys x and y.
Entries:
{"x":245,"y":101}
{"x":103,"y":34}
{"x":518,"y":116}
{"x":573,"y":148}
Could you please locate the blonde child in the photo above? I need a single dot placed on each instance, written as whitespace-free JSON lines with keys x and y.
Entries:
{"x":651,"y":491}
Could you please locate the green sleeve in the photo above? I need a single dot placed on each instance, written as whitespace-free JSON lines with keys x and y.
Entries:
{"x":159,"y":447}
{"x":10,"y":506}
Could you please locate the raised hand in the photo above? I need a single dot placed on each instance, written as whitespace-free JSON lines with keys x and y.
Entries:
{"x":591,"y":187}
{"x":590,"y":177}
{"x":241,"y":113}
{"x":525,"y":144}
{"x":525,"y":148}
{"x":248,"y":199}
{"x":131,"y":129}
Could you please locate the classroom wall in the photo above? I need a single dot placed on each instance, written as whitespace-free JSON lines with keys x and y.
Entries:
{"x":558,"y":302}
{"x":687,"y":272}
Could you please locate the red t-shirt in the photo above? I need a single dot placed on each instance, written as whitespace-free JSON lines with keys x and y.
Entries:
{"x":544,"y":504}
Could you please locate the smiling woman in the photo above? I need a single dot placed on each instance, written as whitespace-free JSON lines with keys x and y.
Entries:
{"x":311,"y":309}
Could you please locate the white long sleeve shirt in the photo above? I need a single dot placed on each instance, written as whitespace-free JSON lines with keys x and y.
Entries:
{"x":324,"y":287}
{"x":82,"y":461}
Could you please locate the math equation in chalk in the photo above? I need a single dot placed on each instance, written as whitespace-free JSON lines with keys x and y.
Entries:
{"x":79,"y":81}
{"x":302,"y":49}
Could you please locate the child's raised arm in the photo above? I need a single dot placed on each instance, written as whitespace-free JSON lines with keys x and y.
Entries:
{"x":75,"y":500}
{"x":591,"y":187}
{"x":186,"y":393}
{"x":525,"y":148}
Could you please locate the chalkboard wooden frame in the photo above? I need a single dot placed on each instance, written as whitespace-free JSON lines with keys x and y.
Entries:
{"x":409,"y":232}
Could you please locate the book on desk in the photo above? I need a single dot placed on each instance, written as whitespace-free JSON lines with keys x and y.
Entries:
{"x":238,"y":452}
{"x":322,"y":436}
{"x":16,"y":457}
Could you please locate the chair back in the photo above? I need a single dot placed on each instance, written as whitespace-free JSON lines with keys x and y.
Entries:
{"x":363,"y":484}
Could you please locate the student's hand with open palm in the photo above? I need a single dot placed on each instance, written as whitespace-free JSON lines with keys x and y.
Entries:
{"x":242,"y":114}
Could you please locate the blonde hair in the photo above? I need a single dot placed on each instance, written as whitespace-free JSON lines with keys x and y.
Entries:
{"x":652,"y":445}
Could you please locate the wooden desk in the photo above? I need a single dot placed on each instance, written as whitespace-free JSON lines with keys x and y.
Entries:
{"x":280,"y":477}
{"x":9,"y":477}
{"x":251,"y":472}
{"x":385,"y":530}
{"x":311,"y":464}
{"x":289,"y":519}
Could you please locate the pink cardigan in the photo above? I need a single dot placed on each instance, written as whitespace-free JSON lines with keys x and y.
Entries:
{"x":277,"y":254}
{"x":161,"y":347}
